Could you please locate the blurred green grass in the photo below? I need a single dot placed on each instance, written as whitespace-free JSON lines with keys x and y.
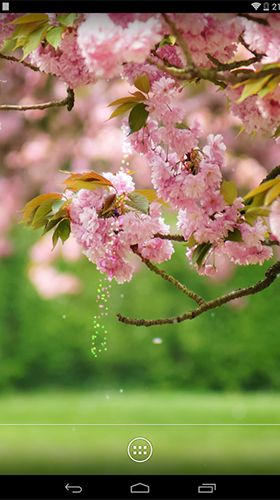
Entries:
{"x":76,"y":449}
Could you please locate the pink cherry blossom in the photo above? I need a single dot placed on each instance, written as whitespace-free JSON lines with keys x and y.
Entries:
{"x":66,"y":62}
{"x":241,"y":254}
{"x":106,"y":45}
{"x":107,"y":241}
{"x":6,"y":29}
{"x":274,"y":218}
{"x":50,"y":283}
{"x":252,"y":235}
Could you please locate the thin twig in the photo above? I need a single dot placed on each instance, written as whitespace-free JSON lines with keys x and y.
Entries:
{"x":174,"y":237}
{"x":68,"y":101}
{"x":16,"y":59}
{"x":255,"y":19}
{"x":180,"y":39}
{"x":192,"y":295}
{"x":234,"y":65}
{"x":270,"y":275}
{"x":254,"y":52}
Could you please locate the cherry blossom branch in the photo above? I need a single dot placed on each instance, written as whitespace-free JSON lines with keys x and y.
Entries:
{"x":255,"y":19}
{"x":212,"y":74}
{"x":68,"y":101}
{"x":174,"y":237}
{"x":190,"y":74}
{"x":16,"y":59}
{"x":270,"y":275}
{"x":192,"y":295}
{"x":235,"y":64}
{"x":242,"y":41}
{"x":180,"y":40}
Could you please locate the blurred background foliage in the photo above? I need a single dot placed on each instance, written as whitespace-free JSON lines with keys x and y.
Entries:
{"x":46,"y":340}
{"x":47,"y":343}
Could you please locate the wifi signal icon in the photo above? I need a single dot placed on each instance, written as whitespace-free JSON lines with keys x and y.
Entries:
{"x":256,"y":5}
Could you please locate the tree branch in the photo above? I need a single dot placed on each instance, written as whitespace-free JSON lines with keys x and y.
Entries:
{"x":174,"y":237}
{"x":15,"y":59}
{"x":270,"y":275}
{"x":214,"y":74}
{"x":192,"y":295}
{"x":68,"y":101}
{"x":180,"y":39}
{"x":234,"y":65}
{"x":255,"y":19}
{"x":242,"y":41}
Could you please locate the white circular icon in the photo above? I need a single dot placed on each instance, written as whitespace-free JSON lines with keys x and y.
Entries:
{"x":140,"y":449}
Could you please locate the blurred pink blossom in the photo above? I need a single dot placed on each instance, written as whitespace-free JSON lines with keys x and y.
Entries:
{"x":50,"y":283}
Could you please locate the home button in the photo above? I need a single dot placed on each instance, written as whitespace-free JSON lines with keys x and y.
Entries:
{"x":139,"y":488}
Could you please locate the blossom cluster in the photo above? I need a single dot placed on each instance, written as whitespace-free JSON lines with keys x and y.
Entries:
{"x":110,"y":45}
{"x":107,"y":236}
{"x":192,"y":186}
{"x":186,"y":177}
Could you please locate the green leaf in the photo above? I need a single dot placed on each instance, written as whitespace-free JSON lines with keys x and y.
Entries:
{"x":234,"y":235}
{"x":262,"y":188}
{"x":44,"y":209}
{"x":228,"y":104}
{"x":33,"y":40}
{"x":167,"y":40}
{"x":22,"y":32}
{"x":253,"y":87}
{"x":61,"y":214}
{"x":53,"y":36}
{"x":62,"y":231}
{"x":181,"y":126}
{"x":240,"y":131}
{"x":200,"y":253}
{"x":67,"y":20}
{"x":122,"y":109}
{"x":35,"y":203}
{"x":270,"y":66}
{"x":139,"y":96}
{"x":57,"y":205}
{"x":276,"y":133}
{"x":142,"y":83}
{"x":229,"y":191}
{"x":253,"y":134}
{"x":272,"y":194}
{"x":139,"y":202}
{"x":244,"y":82}
{"x":110,"y":202}
{"x":256,"y":201}
{"x":124,"y":100}
{"x":137,"y":117}
{"x":191,"y":243}
{"x":8,"y":46}
{"x":271,"y":85}
{"x":252,"y":214}
{"x":40,"y":223}
{"x":51,"y":224}
{"x":55,"y":239}
{"x":151,"y":196}
{"x":30,"y":18}
{"x":29,"y":219}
